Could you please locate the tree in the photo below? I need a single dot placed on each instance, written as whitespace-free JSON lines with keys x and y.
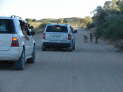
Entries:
{"x":34,"y":20}
{"x":107,"y":5}
{"x":65,"y":21}
{"x":28,"y":19}
{"x":120,"y":5}
{"x":108,"y":20}
{"x":86,"y":21}
{"x":99,"y":16}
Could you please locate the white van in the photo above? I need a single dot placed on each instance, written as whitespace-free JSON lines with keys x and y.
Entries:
{"x":58,"y":36}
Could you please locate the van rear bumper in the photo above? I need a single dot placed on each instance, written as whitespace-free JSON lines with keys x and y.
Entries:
{"x":11,"y":55}
{"x":56,"y":45}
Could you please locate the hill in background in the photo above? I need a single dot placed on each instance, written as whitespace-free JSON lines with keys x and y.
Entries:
{"x":74,"y":21}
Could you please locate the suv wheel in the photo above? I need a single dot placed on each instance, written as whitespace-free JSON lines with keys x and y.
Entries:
{"x":32,"y":59}
{"x":20,"y":63}
{"x":70,"y":48}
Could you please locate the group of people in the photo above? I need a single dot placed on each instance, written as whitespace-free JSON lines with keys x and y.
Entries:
{"x":92,"y":38}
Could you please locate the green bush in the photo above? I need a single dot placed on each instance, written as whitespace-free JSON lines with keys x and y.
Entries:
{"x":112,"y":29}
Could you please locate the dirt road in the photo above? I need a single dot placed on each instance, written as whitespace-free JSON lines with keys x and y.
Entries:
{"x":91,"y":68}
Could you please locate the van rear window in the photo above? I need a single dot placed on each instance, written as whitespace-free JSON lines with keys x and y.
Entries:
{"x":56,"y":28}
{"x":6,"y":26}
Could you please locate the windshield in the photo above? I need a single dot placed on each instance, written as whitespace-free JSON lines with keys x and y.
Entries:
{"x":56,"y":28}
{"x":6,"y":26}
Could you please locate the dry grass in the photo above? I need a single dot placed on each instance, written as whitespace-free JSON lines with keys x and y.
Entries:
{"x":35,"y":24}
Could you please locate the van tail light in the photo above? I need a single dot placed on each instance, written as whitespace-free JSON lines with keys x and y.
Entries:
{"x":15,"y":42}
{"x":43,"y":35}
{"x":69,"y":37}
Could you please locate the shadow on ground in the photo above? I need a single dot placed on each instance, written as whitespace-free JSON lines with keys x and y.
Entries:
{"x":6,"y":66}
{"x":90,"y":50}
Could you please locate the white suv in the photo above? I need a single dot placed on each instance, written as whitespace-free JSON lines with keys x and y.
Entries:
{"x":58,"y":36}
{"x":16,"y":42}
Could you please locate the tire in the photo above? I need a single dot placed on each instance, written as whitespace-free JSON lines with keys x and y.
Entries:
{"x":21,"y":62}
{"x":32,"y":59}
{"x":70,"y":48}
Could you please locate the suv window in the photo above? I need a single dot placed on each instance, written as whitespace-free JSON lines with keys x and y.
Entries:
{"x":56,"y":28}
{"x":6,"y":26}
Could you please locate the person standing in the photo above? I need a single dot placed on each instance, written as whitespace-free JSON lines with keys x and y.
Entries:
{"x":96,"y":38}
{"x":91,"y":37}
{"x":85,"y":38}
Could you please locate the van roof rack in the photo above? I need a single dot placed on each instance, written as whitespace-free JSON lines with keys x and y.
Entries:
{"x":14,"y":16}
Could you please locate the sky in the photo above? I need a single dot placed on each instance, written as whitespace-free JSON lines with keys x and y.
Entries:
{"x":40,"y":9}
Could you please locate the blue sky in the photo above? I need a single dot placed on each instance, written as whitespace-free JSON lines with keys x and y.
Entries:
{"x":48,"y":8}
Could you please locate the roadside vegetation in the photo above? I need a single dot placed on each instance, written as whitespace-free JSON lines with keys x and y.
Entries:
{"x":108,"y":22}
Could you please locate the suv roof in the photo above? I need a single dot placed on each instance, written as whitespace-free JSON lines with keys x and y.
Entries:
{"x":10,"y":17}
{"x":57,"y":24}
